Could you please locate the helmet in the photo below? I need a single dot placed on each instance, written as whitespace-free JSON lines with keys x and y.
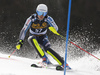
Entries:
{"x":42,"y":9}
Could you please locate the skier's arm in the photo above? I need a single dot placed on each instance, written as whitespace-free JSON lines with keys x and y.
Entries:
{"x":25,"y":29}
{"x":23,"y":33}
{"x":52,"y":23}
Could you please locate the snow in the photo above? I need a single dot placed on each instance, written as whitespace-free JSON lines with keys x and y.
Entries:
{"x":21,"y":66}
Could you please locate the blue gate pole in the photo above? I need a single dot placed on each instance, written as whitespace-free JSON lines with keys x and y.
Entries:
{"x":67,"y":34}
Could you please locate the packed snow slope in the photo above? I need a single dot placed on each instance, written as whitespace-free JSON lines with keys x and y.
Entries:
{"x":86,"y":65}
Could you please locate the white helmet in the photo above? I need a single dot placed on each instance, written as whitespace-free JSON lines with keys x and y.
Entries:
{"x":42,"y":9}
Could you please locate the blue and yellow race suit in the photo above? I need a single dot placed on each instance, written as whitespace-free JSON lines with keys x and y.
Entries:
{"x":38,"y":29}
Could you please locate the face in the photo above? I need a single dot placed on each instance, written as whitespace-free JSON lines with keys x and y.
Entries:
{"x":41,"y":17}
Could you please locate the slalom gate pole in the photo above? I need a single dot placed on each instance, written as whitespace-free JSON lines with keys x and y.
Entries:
{"x":67,"y":34}
{"x":11,"y":53}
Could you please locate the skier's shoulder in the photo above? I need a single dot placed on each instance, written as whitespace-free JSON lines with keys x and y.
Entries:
{"x":49,"y":18}
{"x":33,"y":16}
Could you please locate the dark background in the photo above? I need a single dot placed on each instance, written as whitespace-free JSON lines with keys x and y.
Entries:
{"x":85,"y":16}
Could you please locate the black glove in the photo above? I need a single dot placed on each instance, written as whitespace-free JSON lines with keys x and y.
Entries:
{"x":19,"y":45}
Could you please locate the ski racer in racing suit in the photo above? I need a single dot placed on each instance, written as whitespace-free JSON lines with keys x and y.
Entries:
{"x":37,"y":24}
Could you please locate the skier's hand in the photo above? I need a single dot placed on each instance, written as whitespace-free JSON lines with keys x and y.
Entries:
{"x":19,"y":45}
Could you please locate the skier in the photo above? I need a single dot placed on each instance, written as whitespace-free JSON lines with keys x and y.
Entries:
{"x":37,"y":24}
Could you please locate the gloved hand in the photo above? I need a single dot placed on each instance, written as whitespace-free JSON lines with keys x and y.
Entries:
{"x":19,"y":45}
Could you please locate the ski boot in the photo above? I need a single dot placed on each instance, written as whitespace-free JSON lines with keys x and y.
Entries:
{"x":45,"y":60}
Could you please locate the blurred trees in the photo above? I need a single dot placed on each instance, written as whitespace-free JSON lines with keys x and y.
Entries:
{"x":84,"y":13}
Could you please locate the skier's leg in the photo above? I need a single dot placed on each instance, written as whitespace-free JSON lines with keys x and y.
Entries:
{"x":33,"y":42}
{"x":46,"y":45}
{"x":56,"y":56}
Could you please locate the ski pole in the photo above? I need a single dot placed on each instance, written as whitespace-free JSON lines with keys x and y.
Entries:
{"x":11,"y":53}
{"x":84,"y":50}
{"x":55,"y":32}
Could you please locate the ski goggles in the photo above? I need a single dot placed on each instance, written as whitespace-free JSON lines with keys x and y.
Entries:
{"x":41,"y":13}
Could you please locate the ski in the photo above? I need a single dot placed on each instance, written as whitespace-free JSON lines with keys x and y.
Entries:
{"x":43,"y":65}
{"x":61,"y":68}
{"x":50,"y":66}
{"x":35,"y":65}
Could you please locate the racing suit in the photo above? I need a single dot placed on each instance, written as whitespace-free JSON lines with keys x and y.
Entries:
{"x":37,"y":35}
